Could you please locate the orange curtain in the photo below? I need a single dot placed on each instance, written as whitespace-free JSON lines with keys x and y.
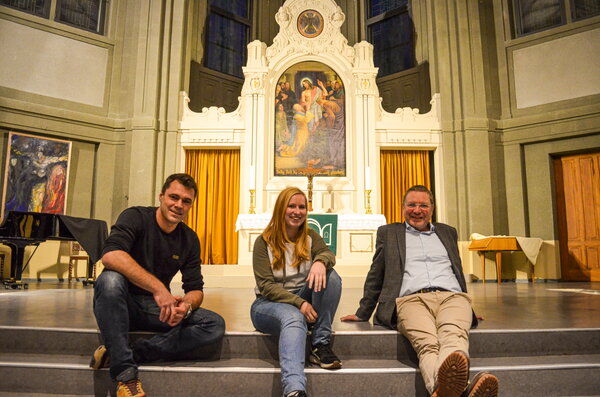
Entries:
{"x":401,"y":169}
{"x":215,"y":210}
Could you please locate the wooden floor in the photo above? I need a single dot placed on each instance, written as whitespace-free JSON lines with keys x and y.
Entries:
{"x":550,"y":305}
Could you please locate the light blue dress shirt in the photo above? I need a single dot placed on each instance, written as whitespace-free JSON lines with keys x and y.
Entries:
{"x":427,"y":263}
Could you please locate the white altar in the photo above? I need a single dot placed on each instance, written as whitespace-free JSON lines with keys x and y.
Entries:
{"x":277,"y":143}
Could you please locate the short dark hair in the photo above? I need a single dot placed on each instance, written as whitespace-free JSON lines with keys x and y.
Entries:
{"x":419,"y":188}
{"x":185,"y":179}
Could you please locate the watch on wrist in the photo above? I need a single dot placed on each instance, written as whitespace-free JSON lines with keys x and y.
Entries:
{"x":188,"y":312}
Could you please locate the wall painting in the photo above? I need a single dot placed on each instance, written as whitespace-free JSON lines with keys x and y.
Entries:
{"x":37,"y":174}
{"x":310,"y":122}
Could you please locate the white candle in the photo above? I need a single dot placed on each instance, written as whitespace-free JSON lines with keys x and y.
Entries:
{"x":252,"y":178}
{"x":368,"y":178}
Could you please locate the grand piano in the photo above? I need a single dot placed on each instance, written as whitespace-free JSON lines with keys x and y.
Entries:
{"x":21,"y":229}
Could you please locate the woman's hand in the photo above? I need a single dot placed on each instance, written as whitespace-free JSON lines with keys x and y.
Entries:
{"x":309,"y":312}
{"x":317,"y":278}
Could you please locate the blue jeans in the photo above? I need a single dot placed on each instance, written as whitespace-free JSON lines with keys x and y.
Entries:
{"x":118,"y":312}
{"x":289,"y":324}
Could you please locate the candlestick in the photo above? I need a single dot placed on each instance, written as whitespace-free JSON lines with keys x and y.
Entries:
{"x":310,"y":191}
{"x":368,"y":209}
{"x":252,"y":202}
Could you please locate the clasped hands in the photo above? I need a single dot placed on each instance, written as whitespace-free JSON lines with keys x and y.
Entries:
{"x":172,"y":308}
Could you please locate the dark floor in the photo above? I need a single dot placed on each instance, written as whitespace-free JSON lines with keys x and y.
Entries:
{"x":507,"y":306}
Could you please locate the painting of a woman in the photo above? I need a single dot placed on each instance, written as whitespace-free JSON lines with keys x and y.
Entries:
{"x":282,"y":133}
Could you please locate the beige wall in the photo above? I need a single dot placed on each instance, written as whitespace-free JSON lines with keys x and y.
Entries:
{"x":557,"y":70}
{"x":40,"y":62}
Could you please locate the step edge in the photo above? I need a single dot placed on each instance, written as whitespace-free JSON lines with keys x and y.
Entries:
{"x":489,"y":368}
{"x":257,"y":333}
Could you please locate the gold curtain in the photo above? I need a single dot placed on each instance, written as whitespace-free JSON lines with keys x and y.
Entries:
{"x":401,"y":169}
{"x":213,"y":216}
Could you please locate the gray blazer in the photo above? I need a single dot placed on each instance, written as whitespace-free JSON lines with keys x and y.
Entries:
{"x":384,"y":279}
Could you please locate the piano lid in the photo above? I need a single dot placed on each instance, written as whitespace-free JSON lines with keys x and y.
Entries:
{"x":39,"y":226}
{"x":34,"y":225}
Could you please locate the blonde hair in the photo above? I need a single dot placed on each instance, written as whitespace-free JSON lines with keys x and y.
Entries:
{"x":275,"y":234}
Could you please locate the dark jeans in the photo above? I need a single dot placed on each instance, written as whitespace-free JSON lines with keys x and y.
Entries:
{"x":118,"y":312}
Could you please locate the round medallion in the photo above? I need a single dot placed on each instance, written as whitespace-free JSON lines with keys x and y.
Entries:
{"x":310,"y":23}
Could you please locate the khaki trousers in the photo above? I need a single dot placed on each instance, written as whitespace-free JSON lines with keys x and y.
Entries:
{"x":436,"y":324}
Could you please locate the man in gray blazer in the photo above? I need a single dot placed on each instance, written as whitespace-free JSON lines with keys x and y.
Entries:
{"x":418,"y":286}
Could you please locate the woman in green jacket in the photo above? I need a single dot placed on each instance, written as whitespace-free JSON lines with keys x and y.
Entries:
{"x":296,"y":288}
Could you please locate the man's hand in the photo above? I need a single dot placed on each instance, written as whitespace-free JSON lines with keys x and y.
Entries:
{"x":317,"y":276}
{"x":167,"y":304}
{"x":351,"y":317}
{"x":178,"y":313}
{"x":309,"y":312}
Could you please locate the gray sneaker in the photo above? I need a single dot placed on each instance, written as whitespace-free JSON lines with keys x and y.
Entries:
{"x":323,"y":356}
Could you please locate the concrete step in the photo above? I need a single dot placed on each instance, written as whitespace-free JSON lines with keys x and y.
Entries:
{"x":546,"y":375}
{"x":348,"y":345}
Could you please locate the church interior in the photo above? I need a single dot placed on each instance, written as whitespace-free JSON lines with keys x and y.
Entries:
{"x":493,"y":105}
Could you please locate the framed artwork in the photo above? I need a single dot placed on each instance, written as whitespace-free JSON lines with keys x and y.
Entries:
{"x":310,"y":122}
{"x":36,"y":174}
{"x":310,"y":23}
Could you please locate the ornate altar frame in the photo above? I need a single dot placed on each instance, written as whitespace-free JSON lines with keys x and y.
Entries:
{"x":368,"y":129}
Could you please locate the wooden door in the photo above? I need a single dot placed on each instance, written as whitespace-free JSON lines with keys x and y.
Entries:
{"x":578,"y":206}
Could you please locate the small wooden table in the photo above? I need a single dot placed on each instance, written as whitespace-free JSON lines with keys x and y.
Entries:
{"x":497,"y":245}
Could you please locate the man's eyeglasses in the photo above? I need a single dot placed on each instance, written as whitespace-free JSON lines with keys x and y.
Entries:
{"x":413,"y":206}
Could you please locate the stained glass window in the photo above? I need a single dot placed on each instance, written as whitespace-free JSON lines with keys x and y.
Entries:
{"x":378,"y":7}
{"x":584,"y":8}
{"x":237,"y":7}
{"x":84,"y":14}
{"x":536,"y":15}
{"x":36,"y":7}
{"x":390,"y":30}
{"x":228,"y":34}
{"x":531,"y":16}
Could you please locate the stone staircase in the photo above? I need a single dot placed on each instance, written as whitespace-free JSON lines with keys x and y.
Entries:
{"x":54,"y":362}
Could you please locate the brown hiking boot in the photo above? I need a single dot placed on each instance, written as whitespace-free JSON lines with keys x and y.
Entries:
{"x":453,"y":376}
{"x":131,"y":388}
{"x":100,"y":358}
{"x":483,"y":384}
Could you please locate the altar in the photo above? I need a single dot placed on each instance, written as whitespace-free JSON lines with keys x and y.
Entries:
{"x":310,"y":116}
{"x":356,"y":235}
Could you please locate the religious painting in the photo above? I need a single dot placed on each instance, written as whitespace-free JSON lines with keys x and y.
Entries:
{"x":37,"y":174}
{"x":310,"y":23}
{"x":310,"y":122}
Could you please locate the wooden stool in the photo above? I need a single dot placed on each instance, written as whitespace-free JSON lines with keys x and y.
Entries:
{"x":2,"y":257}
{"x":76,"y":253}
